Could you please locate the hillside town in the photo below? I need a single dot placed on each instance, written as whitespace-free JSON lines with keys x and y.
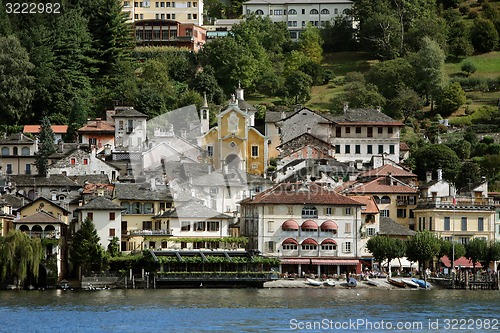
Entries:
{"x":144,"y":158}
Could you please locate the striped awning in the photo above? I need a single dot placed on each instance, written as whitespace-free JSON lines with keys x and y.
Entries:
{"x":341,"y":262}
{"x":295,"y":261}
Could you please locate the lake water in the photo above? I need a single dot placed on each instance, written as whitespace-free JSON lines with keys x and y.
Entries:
{"x":250,"y":310}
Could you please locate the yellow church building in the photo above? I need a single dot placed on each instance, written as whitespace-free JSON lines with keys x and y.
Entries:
{"x":235,"y":143}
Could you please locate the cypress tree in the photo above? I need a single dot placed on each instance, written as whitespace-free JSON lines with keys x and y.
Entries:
{"x":45,"y":148}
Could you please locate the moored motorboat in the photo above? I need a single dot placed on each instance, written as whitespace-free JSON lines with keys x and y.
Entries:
{"x":330,"y":282}
{"x":313,"y":282}
{"x":422,"y":283}
{"x":396,"y":282}
{"x":372,"y":282}
{"x":410,"y":283}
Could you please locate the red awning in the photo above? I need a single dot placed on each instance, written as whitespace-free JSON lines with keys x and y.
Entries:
{"x":309,"y":241}
{"x":295,"y":261}
{"x":309,"y":224}
{"x":329,"y":225}
{"x":460,"y":262}
{"x":341,"y":262}
{"x":290,"y":241}
{"x":290,"y":225}
{"x":328,"y":241}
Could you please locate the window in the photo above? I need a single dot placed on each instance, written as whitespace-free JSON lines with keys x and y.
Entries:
{"x":380,"y":149}
{"x":136,"y":4}
{"x":464,"y":240}
{"x":195,"y":4}
{"x":270,"y":226}
{"x":328,"y":211}
{"x":385,"y":200}
{"x":173,"y":4}
{"x":337,"y":149}
{"x":27,"y":171}
{"x":162,"y":4}
{"x":347,"y":130}
{"x":213,"y":226}
{"x":447,"y":223}
{"x":380,"y":130}
{"x":430,"y":222}
{"x":369,"y":149}
{"x":347,"y":247}
{"x":303,"y":11}
{"x":147,"y":225}
{"x":90,"y":216}
{"x":328,"y":247}
{"x":390,"y":130}
{"x":309,"y":212}
{"x":126,"y":3}
{"x":369,"y":132}
{"x":376,"y":199}
{"x":391,"y":149}
{"x":189,"y":16}
{"x":173,"y":32}
{"x":401,"y":213}
{"x":112,"y":216}
{"x":210,"y":151}
{"x":141,"y":16}
{"x":338,"y":132}
{"x":384,"y":213}
{"x":290,"y":210}
{"x":185,"y":225}
{"x":255,"y":151}
{"x":189,"y":4}
{"x":336,"y":11}
{"x":271,"y":246}
{"x":325,"y":11}
{"x":292,"y":12}
{"x":157,"y":16}
{"x":309,"y":247}
{"x":480,"y":224}
{"x":136,"y":16}
{"x":358,"y":130}
{"x":25,"y":151}
{"x":278,"y":12}
{"x":270,"y":210}
{"x":347,"y":149}
{"x":370,"y":231}
{"x":195,"y":16}
{"x":200,"y":226}
{"x":348,"y":211}
{"x":293,"y":34}
{"x":289,"y":246}
{"x":259,"y":12}
{"x":112,"y":232}
{"x":464,"y":223}
{"x":85,"y":161}
{"x":348,"y":228}
{"x":357,"y":149}
{"x":314,"y":12}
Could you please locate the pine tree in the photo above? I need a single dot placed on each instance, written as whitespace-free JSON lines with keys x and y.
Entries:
{"x":45,"y":148}
{"x":85,"y":250}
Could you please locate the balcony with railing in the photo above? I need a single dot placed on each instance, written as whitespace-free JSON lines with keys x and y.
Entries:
{"x":456,"y":203}
{"x":139,"y":232}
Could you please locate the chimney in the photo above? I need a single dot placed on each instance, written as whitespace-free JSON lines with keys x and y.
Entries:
{"x":440,"y":174}
{"x":47,"y":175}
{"x":153,"y":184}
{"x":428,"y":176}
{"x":309,"y":130}
{"x":239,"y":93}
{"x":98,"y":122}
{"x":346,"y":107}
{"x":109,"y":116}
{"x":283,"y":115}
{"x":379,"y":108}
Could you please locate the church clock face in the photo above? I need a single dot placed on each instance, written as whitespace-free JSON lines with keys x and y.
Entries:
{"x":232,"y":123}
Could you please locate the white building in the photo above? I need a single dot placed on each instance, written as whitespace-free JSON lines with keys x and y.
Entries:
{"x":181,"y":11}
{"x":297,"y":14}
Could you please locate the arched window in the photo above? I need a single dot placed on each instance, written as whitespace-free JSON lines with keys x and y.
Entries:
{"x":309,"y":211}
{"x":126,"y":206}
{"x":148,"y":208}
{"x":136,"y":208}
{"x":25,"y":151}
{"x":309,"y":244}
{"x":15,"y":151}
{"x":385,"y":200}
{"x":289,"y":244}
{"x":259,"y":12}
{"x":376,"y":199}
{"x":292,"y":12}
{"x":325,"y":11}
{"x":314,"y":12}
{"x":5,"y":151}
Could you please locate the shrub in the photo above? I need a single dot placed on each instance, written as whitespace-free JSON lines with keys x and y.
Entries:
{"x":468,"y":67}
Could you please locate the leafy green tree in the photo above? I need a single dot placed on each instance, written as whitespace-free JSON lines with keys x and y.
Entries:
{"x":459,"y":41}
{"x":298,"y":87}
{"x":386,"y":248}
{"x":490,"y":165}
{"x":468,"y":67}
{"x":493,"y":252}
{"x":205,"y":82}
{"x":432,"y":27}
{"x":461,"y":147}
{"x":114,"y":247}
{"x":484,"y":35}
{"x":45,"y":147}
{"x":310,"y":44}
{"x":471,"y":136}
{"x":391,"y":76}
{"x":16,"y":81}
{"x":433,"y":157}
{"x":451,"y":249}
{"x":450,"y":99}
{"x":423,"y":247}
{"x":358,"y":94}
{"x":477,"y":251}
{"x":428,"y":64}
{"x":20,"y":255}
{"x":85,"y":251}
{"x":405,"y":104}
{"x":339,"y":35}
{"x":470,"y":172}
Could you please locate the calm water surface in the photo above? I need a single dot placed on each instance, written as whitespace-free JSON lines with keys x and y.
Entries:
{"x":250,"y":310}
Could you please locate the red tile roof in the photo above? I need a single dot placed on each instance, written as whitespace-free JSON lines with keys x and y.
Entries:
{"x":385,"y":170}
{"x":39,"y":217}
{"x":371,"y":206}
{"x":403,"y":146}
{"x":297,"y":193}
{"x":383,"y":185}
{"x":57,"y":129}
{"x":97,"y":126}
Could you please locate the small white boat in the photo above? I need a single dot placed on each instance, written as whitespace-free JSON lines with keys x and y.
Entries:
{"x":410,"y":283}
{"x":313,"y":282}
{"x":372,"y":282}
{"x":330,"y":282}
